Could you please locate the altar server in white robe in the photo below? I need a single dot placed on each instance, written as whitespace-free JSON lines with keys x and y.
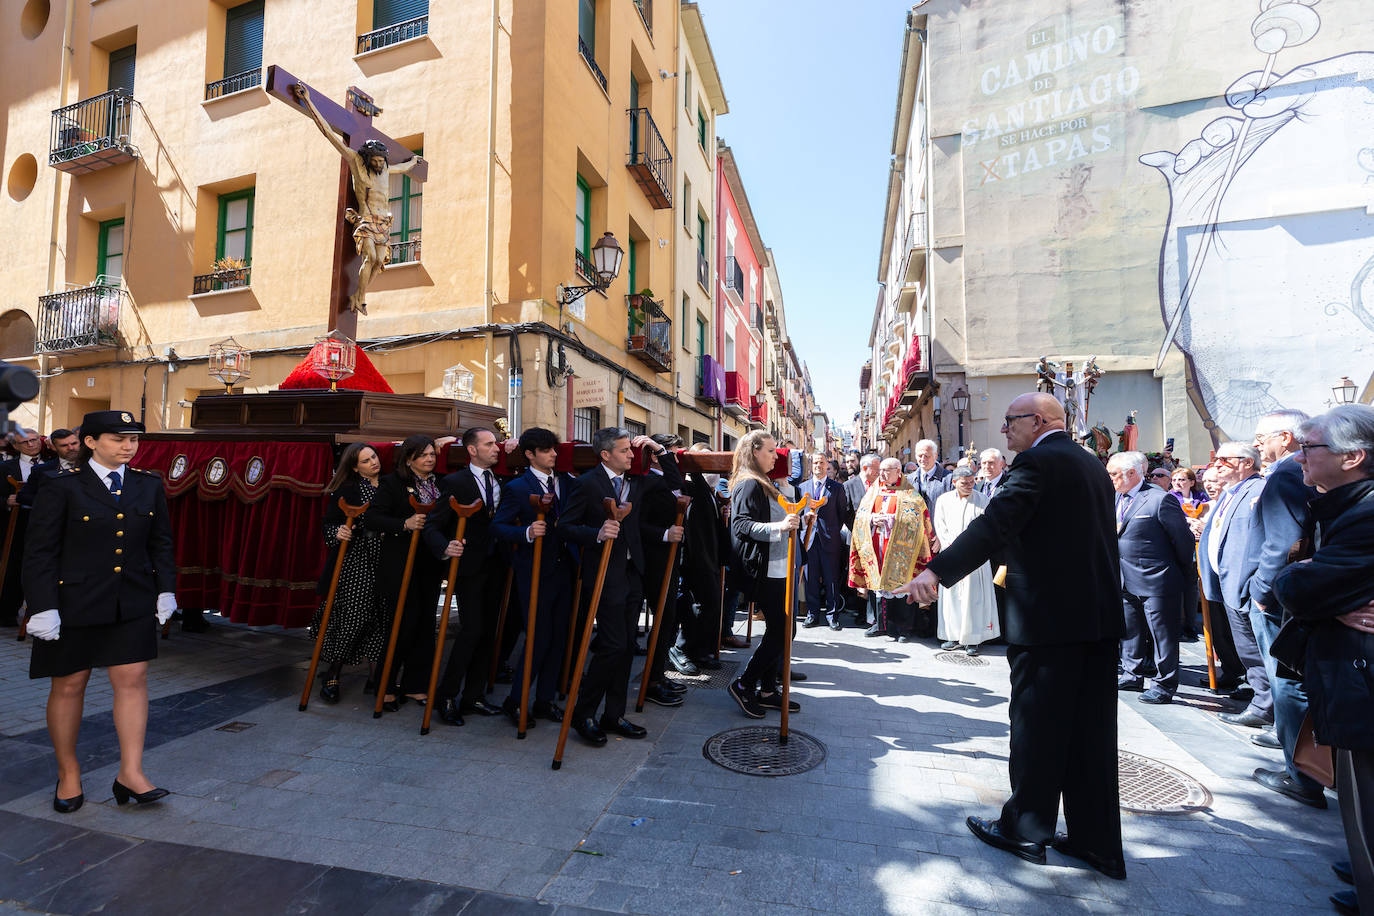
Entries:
{"x":968,"y":609}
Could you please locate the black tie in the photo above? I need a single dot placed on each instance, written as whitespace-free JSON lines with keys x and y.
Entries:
{"x":615,"y":482}
{"x":491,"y":505}
{"x":549,"y":488}
{"x":115,"y":485}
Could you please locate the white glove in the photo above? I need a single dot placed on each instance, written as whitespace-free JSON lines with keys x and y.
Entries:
{"x":166,"y":607}
{"x":45,"y":625}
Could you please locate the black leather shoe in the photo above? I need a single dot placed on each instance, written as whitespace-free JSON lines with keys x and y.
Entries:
{"x":448,"y":712}
{"x":990,"y":832}
{"x":734,"y":642}
{"x":1345,"y":902}
{"x":810,"y":622}
{"x":706,"y":663}
{"x":591,"y":732}
{"x":774,"y":701}
{"x":511,"y":709}
{"x":1114,"y":869}
{"x":657,"y":694}
{"x":1242,"y":694}
{"x":482,"y":708}
{"x":873,"y":631}
{"x":1342,"y":870}
{"x":194,"y":623}
{"x":1267,"y":739}
{"x":1156,"y":697}
{"x":797,"y":675}
{"x":1247,"y":719}
{"x":836,"y":625}
{"x":550,"y":711}
{"x":679,"y":660}
{"x":1126,"y":683}
{"x":68,"y":805}
{"x":673,"y":687}
{"x":330,"y":691}
{"x":625,"y":728}
{"x":122,"y":794}
{"x":746,"y":698}
{"x":392,"y":705}
{"x":1279,"y":781}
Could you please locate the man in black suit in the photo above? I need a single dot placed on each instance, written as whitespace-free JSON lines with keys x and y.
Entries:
{"x":28,"y":445}
{"x":585,"y":522}
{"x":1053,"y":521}
{"x":67,"y":446}
{"x":481,"y":576}
{"x":823,"y":545}
{"x":705,"y":545}
{"x":1156,"y":563}
{"x":658,"y":502}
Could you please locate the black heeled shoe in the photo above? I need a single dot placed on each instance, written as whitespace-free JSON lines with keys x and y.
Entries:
{"x":67,"y":805}
{"x":330,"y":691}
{"x":123,"y":793}
{"x":392,"y":705}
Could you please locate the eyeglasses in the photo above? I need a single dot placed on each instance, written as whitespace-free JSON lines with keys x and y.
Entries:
{"x":1260,"y":437}
{"x":1309,"y":446}
{"x":1227,"y":459}
{"x":1012,"y":418}
{"x":1164,"y":474}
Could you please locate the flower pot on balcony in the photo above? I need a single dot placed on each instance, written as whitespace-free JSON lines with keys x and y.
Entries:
{"x":639,"y":342}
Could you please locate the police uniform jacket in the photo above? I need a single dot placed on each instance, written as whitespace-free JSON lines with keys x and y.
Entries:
{"x":94,"y":558}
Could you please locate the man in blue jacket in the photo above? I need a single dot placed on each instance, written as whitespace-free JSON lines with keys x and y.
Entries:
{"x":823,"y":545}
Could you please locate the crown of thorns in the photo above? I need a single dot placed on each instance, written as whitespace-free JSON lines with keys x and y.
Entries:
{"x":373,"y":148}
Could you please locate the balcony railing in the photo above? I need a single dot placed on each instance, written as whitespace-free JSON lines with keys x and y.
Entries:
{"x":650,"y":337}
{"x":590,"y":57}
{"x":585,"y":268}
{"x":737,"y":399}
{"x":756,"y":318}
{"x":407,"y":252}
{"x":646,"y":12}
{"x":393,"y":34}
{"x":734,"y":277}
{"x":80,"y":319}
{"x":914,"y":249}
{"x":221,"y":280}
{"x":231,"y":84}
{"x":704,"y":271}
{"x":758,"y":413}
{"x":650,"y":161}
{"x":770,"y":317}
{"x":93,"y":133}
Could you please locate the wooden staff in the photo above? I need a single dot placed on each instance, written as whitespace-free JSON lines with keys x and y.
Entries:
{"x":1206,"y":626}
{"x":5,"y":556}
{"x":542,"y":503}
{"x":385,"y":681}
{"x":789,"y":596}
{"x":500,"y":628}
{"x":463,"y":512}
{"x":350,"y":513}
{"x":572,"y":632}
{"x":682,"y":503}
{"x":720,"y":618}
{"x":616,"y":513}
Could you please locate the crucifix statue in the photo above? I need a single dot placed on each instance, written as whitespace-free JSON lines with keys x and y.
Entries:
{"x":364,"y":189}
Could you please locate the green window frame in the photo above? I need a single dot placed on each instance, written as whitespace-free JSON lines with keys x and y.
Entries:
{"x":686,"y":336}
{"x":634,"y":118}
{"x":235,"y":229}
{"x":406,"y":198}
{"x":106,"y":252}
{"x":584,"y":218}
{"x":393,"y":12}
{"x":701,"y":129}
{"x":701,"y":235}
{"x":633,"y":269}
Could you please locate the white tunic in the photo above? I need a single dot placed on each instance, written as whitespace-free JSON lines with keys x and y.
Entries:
{"x":968,"y":608}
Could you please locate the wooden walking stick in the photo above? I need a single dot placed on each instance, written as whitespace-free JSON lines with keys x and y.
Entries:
{"x":5,"y":554}
{"x":1206,"y":626}
{"x":789,"y":597}
{"x":385,"y":681}
{"x":500,"y":629}
{"x":720,"y":618}
{"x":542,"y":503}
{"x":464,"y":512}
{"x":682,"y":503}
{"x":617,"y":513}
{"x":350,"y":513}
{"x":572,"y":632}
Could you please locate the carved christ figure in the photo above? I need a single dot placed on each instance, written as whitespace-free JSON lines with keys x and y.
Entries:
{"x":371,"y":221}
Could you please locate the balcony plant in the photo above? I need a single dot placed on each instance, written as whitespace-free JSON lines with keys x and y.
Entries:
{"x":637,"y":314}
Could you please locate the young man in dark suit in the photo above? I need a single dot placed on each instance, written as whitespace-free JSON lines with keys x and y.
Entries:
{"x":658,"y":499}
{"x":705,"y":545}
{"x":517,"y":523}
{"x":586,"y":523}
{"x":1156,"y":563}
{"x":824,"y":545}
{"x":1053,"y":521}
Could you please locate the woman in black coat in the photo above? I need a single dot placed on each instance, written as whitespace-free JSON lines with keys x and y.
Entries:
{"x":1331,"y":592}
{"x":392,"y":516}
{"x":357,"y":631}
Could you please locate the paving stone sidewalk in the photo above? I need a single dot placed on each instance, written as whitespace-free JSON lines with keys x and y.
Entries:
{"x":914,"y":745}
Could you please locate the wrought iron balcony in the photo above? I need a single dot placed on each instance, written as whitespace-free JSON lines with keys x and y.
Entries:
{"x":590,"y":58}
{"x":393,"y":34}
{"x":650,"y":333}
{"x":221,"y":280}
{"x":585,"y":268}
{"x":734,"y":277}
{"x":86,"y":318}
{"x":914,"y":249}
{"x":231,"y":84}
{"x":758,"y":413}
{"x":646,"y":12}
{"x":650,"y":161}
{"x":92,"y":134}
{"x":770,"y":318}
{"x":407,"y":252}
{"x":756,"y":317}
{"x":704,"y":271}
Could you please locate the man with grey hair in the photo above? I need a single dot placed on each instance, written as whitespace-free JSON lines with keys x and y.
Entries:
{"x":1278,"y":523}
{"x":929,"y":475}
{"x":1156,"y":564}
{"x":1228,"y":562}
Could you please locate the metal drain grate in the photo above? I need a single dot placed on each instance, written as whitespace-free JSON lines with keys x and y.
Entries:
{"x":1151,"y":787}
{"x":962,"y":659}
{"x":719,"y":678}
{"x":755,"y":751}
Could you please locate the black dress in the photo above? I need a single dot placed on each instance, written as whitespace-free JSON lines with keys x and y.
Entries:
{"x":357,"y":626}
{"x":100,"y":562}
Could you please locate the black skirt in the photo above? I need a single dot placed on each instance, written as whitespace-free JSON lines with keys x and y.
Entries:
{"x":81,"y":648}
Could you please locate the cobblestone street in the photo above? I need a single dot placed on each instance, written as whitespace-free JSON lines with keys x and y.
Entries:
{"x":329,"y":809}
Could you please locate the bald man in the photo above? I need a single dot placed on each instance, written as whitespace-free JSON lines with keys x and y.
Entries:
{"x":1054,"y":524}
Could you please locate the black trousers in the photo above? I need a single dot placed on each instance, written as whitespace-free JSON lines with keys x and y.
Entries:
{"x":12,"y":589}
{"x":550,"y":631}
{"x":414,"y":655}
{"x":896,"y":617}
{"x":1355,"y":792}
{"x":667,"y":630}
{"x":822,"y":583}
{"x":1152,"y":631}
{"x":1063,"y":745}
{"x":479,"y":598}
{"x":613,"y":650}
{"x":766,"y":663}
{"x":699,"y":610}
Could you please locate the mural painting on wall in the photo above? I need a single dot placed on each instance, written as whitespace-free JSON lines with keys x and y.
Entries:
{"x":1270,"y":236}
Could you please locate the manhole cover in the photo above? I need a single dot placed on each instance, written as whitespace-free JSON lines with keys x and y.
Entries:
{"x":1151,"y":787}
{"x":755,"y":751}
{"x":718,"y":678}
{"x":962,"y":658}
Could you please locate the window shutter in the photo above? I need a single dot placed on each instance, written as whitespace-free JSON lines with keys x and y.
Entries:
{"x":391,"y":12}
{"x":243,"y":39}
{"x":122,"y":68}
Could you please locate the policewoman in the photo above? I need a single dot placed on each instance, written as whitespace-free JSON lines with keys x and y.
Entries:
{"x":99,"y":570}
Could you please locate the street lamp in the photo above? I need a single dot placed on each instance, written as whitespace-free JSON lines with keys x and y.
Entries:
{"x":1345,"y":391}
{"x":229,"y":362}
{"x":458,"y":383}
{"x":959,"y":401}
{"x":334,"y":357}
{"x":606,"y":257}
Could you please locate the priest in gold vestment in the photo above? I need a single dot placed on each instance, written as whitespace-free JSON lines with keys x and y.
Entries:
{"x":892,"y":541}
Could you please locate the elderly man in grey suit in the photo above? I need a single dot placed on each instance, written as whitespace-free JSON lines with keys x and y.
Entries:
{"x":1229,"y":559}
{"x":929,"y":476}
{"x":992,"y":466}
{"x":1275,"y":527}
{"x":1156,"y":564}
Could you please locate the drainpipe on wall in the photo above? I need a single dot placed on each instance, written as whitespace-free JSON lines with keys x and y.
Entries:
{"x":489,"y":292}
{"x":64,"y":74}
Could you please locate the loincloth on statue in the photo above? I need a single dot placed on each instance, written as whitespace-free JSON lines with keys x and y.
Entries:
{"x":378,"y":230}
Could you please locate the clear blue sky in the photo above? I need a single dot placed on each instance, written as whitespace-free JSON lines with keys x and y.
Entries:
{"x":812,"y":87}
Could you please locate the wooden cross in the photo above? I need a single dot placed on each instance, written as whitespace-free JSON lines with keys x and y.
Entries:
{"x":353,"y":121}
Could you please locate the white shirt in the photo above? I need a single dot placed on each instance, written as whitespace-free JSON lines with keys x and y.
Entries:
{"x":26,"y":464}
{"x":479,"y":474}
{"x":545,"y":481}
{"x":1041,"y":437}
{"x":994,"y":483}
